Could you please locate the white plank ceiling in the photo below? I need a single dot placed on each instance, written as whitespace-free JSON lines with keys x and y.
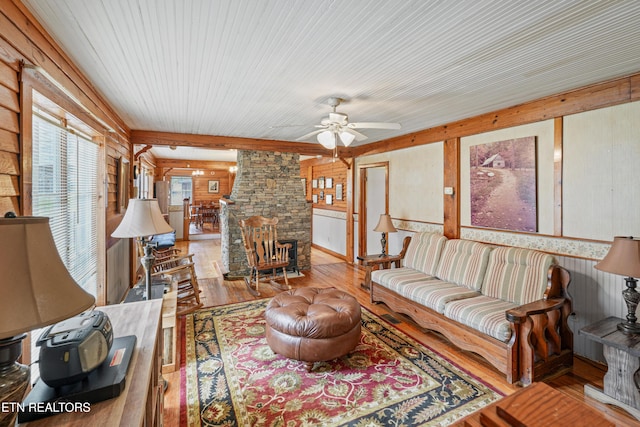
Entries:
{"x":265,"y":68}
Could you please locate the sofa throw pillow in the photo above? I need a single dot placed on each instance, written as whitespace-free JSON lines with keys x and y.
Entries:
{"x":464,"y":263}
{"x":517,"y":275}
{"x":424,"y":251}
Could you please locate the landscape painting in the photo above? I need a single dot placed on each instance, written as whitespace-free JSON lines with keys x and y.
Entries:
{"x":503,"y":185}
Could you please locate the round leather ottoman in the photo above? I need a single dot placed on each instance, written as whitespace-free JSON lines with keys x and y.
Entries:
{"x":313,"y":324}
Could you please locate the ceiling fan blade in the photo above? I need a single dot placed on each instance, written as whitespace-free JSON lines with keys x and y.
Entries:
{"x":310,"y":134}
{"x":374,"y":125}
{"x":358,"y":135}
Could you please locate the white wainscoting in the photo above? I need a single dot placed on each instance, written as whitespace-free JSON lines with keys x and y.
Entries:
{"x":595,"y":295}
{"x":330,"y":230}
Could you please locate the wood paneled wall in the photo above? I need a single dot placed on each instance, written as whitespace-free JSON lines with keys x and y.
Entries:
{"x":9,"y":137}
{"x":201,"y":192}
{"x":314,"y":169}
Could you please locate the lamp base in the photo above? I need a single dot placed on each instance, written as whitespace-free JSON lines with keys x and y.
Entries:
{"x":14,"y":378}
{"x":383,"y":242}
{"x":629,"y":328}
{"x":631,"y":298}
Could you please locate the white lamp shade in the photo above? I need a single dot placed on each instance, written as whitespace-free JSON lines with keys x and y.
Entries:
{"x":347,"y":138}
{"x":37,"y":289}
{"x":143,"y":218}
{"x":327,"y":139}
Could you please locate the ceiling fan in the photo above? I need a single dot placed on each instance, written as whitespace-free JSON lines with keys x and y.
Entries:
{"x":337,"y":126}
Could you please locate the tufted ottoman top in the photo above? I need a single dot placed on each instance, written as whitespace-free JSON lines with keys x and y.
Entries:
{"x":313,"y":312}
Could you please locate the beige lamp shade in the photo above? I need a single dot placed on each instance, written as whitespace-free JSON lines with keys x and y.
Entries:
{"x":36,"y":288}
{"x":623,"y":258}
{"x":385,"y":225}
{"x":142,"y":218}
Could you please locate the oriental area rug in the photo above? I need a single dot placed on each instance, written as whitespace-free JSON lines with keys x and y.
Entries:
{"x":234,"y":379}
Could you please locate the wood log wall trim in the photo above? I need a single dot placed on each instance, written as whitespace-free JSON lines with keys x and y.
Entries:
{"x":9,"y":140}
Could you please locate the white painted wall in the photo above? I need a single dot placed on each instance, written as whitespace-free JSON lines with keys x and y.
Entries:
{"x":601,"y":175}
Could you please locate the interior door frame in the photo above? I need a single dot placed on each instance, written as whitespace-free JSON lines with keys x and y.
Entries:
{"x":362,"y":205}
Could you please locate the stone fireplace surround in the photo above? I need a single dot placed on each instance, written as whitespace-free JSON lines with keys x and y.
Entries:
{"x":268,"y":184}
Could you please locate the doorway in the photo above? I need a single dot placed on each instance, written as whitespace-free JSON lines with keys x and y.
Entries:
{"x":374,"y":201}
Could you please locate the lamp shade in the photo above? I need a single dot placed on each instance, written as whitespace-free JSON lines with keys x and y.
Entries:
{"x":142,"y":218}
{"x":385,"y":225}
{"x":37,"y":289}
{"x":347,"y":138}
{"x":623,"y":258}
{"x":328,"y":139}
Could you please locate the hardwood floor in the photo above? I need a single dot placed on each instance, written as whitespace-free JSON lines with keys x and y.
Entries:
{"x":328,"y":271}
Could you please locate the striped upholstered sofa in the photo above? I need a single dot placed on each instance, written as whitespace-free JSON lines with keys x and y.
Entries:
{"x":509,"y":305}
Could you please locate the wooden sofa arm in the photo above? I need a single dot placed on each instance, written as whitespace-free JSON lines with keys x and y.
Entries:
{"x":541,"y":332}
{"x":385,"y":261}
{"x":519,"y":314}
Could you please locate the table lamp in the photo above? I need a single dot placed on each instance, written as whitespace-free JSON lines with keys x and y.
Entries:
{"x":624,"y":259}
{"x":385,"y":226}
{"x":142,"y":219}
{"x":37,"y":291}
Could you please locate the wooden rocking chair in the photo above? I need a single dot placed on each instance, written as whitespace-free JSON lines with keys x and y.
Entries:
{"x":264,"y":252}
{"x":181,"y":271}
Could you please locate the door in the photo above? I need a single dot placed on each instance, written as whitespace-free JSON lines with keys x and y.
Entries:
{"x":374,"y":201}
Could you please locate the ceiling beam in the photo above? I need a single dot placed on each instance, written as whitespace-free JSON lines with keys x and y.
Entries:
{"x":144,"y":137}
{"x":193,"y":164}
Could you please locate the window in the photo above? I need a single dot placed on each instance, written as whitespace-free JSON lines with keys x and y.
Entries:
{"x":65,"y":189}
{"x":180,"y":189}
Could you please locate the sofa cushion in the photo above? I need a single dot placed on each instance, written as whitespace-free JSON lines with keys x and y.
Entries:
{"x":482,"y":313}
{"x":396,"y":278}
{"x":463,"y":262}
{"x":421,"y":288}
{"x":424,"y":251}
{"x":509,"y":266}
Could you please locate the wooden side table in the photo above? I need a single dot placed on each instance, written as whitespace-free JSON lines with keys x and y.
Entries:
{"x":371,"y":262}
{"x":622,"y":352}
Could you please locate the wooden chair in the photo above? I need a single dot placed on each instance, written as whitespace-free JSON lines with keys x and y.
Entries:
{"x":181,"y":271}
{"x":264,"y":252}
{"x":209,"y":215}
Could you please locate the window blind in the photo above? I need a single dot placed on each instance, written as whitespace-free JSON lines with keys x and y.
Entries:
{"x":65,"y":189}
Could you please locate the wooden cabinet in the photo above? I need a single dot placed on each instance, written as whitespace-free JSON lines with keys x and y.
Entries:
{"x":141,"y":402}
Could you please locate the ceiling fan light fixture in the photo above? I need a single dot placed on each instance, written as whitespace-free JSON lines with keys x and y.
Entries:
{"x":327,"y":139}
{"x":346,"y":138}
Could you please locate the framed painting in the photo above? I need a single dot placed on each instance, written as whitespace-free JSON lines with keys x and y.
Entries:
{"x":214,"y":186}
{"x":503,"y":186}
{"x":339,"y":192}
